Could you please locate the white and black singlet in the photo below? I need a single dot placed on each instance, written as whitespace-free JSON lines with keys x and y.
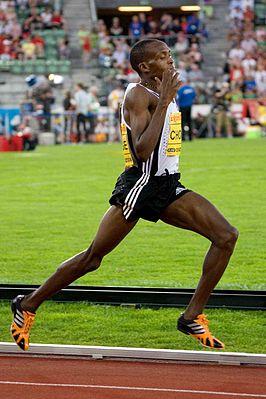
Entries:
{"x":145,"y":189}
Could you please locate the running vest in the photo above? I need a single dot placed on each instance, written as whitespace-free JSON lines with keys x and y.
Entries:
{"x":165,"y":157}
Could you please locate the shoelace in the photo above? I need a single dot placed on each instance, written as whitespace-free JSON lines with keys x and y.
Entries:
{"x":28,"y":323}
{"x":203,"y":320}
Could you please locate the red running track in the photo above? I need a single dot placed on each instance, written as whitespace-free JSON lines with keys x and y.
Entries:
{"x":65,"y":378}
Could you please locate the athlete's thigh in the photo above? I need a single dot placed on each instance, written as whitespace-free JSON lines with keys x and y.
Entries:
{"x":196,"y":213}
{"x":112,"y":229}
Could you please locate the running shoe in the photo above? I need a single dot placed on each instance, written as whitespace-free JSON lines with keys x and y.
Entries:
{"x":198,"y":329}
{"x":21,"y":323}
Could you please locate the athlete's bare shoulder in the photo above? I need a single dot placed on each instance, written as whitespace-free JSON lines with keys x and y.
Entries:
{"x":139,"y":97}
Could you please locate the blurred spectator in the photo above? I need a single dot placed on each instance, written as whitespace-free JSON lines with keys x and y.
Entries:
{"x":249,"y":87}
{"x":6,"y":53}
{"x":121,"y":53}
{"x":63,"y":49}
{"x":235,"y":95}
{"x":193,"y":24}
{"x":116,"y":29}
{"x":145,"y":23}
{"x":181,"y":66}
{"x":57,"y":20}
{"x":105,"y":52}
{"x":236,"y":52}
{"x":200,"y":126}
{"x":236,"y":71}
{"x":153,"y":29}
{"x":115,"y":99}
{"x":69,"y":108}
{"x":195,"y":74}
{"x":34,"y":21}
{"x":204,"y":32}
{"x":166,"y":24}
{"x":249,"y":14}
{"x":102,"y":33}
{"x":236,"y":27}
{"x":83,"y":32}
{"x":29,"y":49}
{"x":86,"y":51}
{"x":260,"y":79}
{"x":2,"y":15}
{"x":21,"y":4}
{"x":249,"y":44}
{"x":201,"y":94}
{"x":29,"y":139}
{"x":221,"y":109}
{"x":194,"y":54}
{"x":46,"y":17}
{"x":248,"y":63}
{"x":182,"y":43}
{"x":185,"y":98}
{"x":135,"y":29}
{"x":27,"y":104}
{"x":176,"y":26}
{"x":261,"y":35}
{"x":92,"y":109}
{"x":85,"y":45}
{"x":235,"y":3}
{"x":184,"y":24}
{"x":44,"y":102}
{"x":81,"y":102}
{"x":236,"y":12}
{"x":13,"y":28}
{"x":39,"y":43}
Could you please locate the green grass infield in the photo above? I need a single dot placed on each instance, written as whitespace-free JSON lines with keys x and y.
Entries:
{"x":52,"y":201}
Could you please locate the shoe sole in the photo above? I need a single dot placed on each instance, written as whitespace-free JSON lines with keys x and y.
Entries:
{"x":179,"y":328}
{"x":183,"y":330}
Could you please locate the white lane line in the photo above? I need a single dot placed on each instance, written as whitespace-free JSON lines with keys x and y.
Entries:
{"x":40,"y":384}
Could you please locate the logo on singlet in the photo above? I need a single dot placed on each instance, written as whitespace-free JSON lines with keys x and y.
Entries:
{"x":175,"y":135}
{"x":126,"y":151}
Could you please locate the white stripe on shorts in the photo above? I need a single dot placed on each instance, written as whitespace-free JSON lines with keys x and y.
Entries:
{"x":134,"y":193}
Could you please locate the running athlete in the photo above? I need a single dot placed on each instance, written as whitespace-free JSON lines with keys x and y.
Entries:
{"x":149,"y":188}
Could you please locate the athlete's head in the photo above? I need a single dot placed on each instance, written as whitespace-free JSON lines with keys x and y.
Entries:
{"x":150,"y":57}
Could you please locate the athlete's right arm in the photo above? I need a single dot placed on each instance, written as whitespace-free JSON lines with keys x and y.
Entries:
{"x":145,"y":126}
{"x":146,"y":115}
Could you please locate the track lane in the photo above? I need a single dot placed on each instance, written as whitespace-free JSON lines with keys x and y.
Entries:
{"x":106,"y":379}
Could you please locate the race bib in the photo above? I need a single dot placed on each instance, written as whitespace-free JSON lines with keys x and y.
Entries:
{"x":126,"y":152}
{"x":175,"y":136}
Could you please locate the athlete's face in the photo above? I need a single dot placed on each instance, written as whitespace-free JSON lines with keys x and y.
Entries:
{"x":159,"y":59}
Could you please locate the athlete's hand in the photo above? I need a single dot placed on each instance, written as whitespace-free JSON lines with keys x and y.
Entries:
{"x":169,"y":85}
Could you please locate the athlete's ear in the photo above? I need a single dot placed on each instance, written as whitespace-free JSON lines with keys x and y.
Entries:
{"x":144,"y":67}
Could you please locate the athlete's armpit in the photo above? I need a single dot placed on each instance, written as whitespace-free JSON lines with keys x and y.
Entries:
{"x":147,"y":115}
{"x":137,"y":113}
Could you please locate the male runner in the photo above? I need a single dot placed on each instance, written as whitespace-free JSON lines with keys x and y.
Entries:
{"x":149,"y":188}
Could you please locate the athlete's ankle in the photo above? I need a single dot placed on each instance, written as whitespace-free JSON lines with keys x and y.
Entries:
{"x":188,"y":315}
{"x":27,"y":305}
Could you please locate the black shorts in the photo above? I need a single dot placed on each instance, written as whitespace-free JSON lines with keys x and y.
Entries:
{"x":144,"y":196}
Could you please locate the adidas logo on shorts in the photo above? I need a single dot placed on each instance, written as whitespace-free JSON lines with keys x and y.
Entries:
{"x":179,"y":190}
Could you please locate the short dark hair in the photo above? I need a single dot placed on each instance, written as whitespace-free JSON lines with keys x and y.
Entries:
{"x":138,"y":52}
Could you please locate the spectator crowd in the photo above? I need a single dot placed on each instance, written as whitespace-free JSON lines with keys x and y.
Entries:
{"x":237,"y":94}
{"x":22,"y":23}
{"x":112,"y":44}
{"x":244,"y":88}
{"x":245,"y":69}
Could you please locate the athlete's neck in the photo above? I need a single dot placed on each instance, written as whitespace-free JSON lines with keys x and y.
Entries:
{"x":149,"y":85}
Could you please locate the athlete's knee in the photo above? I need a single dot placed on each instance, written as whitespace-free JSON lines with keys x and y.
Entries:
{"x":91,"y":261}
{"x":227,"y":238}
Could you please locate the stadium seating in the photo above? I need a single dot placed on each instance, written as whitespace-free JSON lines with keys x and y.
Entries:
{"x":47,"y":61}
